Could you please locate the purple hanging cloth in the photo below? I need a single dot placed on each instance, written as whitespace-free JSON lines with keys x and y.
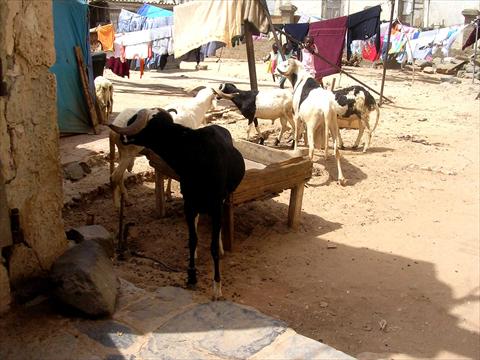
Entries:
{"x":471,"y":38}
{"x":329,"y":37}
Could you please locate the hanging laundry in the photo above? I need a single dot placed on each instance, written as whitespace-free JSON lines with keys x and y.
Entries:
{"x":369,"y":51}
{"x":329,"y":37}
{"x":118,"y":67}
{"x":151,"y":11}
{"x":363,"y":25}
{"x":129,"y":21}
{"x":472,"y":38}
{"x":298,"y":32}
{"x":220,"y":21}
{"x":422,"y":45}
{"x":106,"y":34}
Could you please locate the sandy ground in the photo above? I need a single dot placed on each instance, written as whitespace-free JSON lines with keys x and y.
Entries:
{"x":406,"y":227}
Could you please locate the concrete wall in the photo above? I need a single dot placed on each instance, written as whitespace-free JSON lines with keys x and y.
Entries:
{"x":29,"y":145}
{"x":449,"y":12}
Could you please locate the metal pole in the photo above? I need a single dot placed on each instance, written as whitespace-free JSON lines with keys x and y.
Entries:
{"x":386,"y":55}
{"x":250,"y":57}
{"x":477,"y":23}
{"x":338,"y":68}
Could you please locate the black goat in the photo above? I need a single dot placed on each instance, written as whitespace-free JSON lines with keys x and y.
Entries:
{"x":208,"y":165}
{"x":265,"y":104}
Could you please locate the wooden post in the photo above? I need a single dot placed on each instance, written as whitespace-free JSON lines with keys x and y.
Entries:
{"x":121,"y":242}
{"x":295,"y":206}
{"x":477,"y":24}
{"x":333,"y":84}
{"x":86,"y":92}
{"x":228,"y":224}
{"x":250,"y":57}
{"x":386,"y":55}
{"x":160,"y":193}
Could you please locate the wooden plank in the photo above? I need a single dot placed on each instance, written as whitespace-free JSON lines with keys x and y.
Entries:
{"x":228,"y":225}
{"x":250,"y":56}
{"x":295,"y":206}
{"x":5,"y":232}
{"x":266,"y":155}
{"x":349,"y":123}
{"x":86,"y":92}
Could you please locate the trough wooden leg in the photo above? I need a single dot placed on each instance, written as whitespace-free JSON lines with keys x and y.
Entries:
{"x":227,"y":227}
{"x":295,"y":207}
{"x":160,"y":193}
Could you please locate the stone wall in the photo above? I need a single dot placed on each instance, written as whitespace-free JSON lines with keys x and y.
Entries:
{"x":29,"y":144}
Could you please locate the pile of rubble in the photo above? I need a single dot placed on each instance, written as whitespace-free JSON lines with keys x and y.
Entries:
{"x":460,"y":66}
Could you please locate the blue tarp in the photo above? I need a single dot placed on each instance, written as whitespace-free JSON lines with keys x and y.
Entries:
{"x":70,"y":24}
{"x":153,"y":11}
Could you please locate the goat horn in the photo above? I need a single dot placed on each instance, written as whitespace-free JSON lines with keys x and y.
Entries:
{"x":190,"y":90}
{"x":140,"y":122}
{"x":222,"y":94}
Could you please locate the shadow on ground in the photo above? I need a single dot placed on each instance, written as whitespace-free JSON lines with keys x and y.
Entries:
{"x":300,"y":277}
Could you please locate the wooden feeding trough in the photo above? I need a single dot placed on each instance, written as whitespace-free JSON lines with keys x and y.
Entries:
{"x":268,"y":172}
{"x":353,"y":122}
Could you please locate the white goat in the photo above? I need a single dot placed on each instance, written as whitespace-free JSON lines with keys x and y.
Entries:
{"x":315,"y":107}
{"x":264,"y":104}
{"x":190,"y":113}
{"x":104,"y":93}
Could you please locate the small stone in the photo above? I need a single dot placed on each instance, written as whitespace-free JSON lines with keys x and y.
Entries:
{"x":323,"y":304}
{"x":331,"y":246}
{"x":367,"y":327}
{"x":95,"y":233}
{"x":429,"y":70}
{"x":74,"y":171}
{"x":84,"y":278}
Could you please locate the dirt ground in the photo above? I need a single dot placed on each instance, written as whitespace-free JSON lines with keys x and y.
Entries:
{"x":402,"y":279}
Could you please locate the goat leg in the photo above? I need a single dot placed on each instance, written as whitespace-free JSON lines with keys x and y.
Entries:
{"x":261,"y":140}
{"x":214,"y":248}
{"x":190,"y":216}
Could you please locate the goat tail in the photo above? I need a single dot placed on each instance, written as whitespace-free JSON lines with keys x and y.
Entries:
{"x":111,"y":158}
{"x":378,"y":117}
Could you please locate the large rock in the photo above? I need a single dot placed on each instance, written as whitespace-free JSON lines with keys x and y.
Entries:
{"x":23,"y":264}
{"x":95,"y":233}
{"x":84,"y":278}
{"x":4,"y":289}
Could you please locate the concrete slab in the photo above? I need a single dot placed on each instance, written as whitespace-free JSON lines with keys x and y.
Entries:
{"x":291,"y":345}
{"x":166,"y":324}
{"x":223,"y":329}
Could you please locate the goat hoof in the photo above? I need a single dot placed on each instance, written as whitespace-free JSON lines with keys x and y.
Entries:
{"x":192,"y":277}
{"x":217,"y":291}
{"x":261,"y":141}
{"x":191,"y":286}
{"x":342,"y":182}
{"x":277,"y":141}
